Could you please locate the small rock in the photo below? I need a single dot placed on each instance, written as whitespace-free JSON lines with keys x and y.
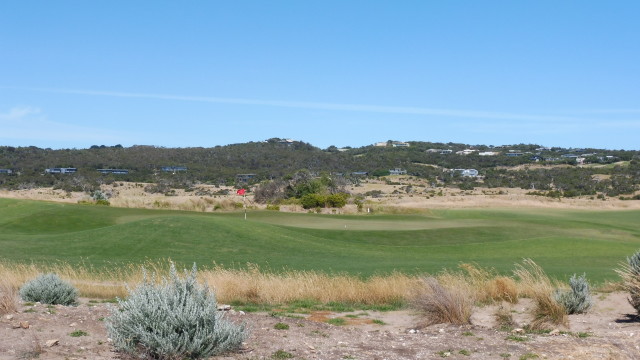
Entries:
{"x":224,"y":307}
{"x":109,"y":340}
{"x":554,"y":332}
{"x":73,"y":324}
{"x":518,"y":331}
{"x":9,"y":317}
{"x":441,"y":330}
{"x":52,"y":342}
{"x":24,"y":324}
{"x":15,"y":325}
{"x":412,"y":331}
{"x":241,"y":312}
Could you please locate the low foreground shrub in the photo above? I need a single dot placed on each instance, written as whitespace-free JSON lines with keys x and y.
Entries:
{"x":49,"y":289}
{"x":577,"y":300}
{"x":174,"y":319}
{"x":537,"y":285}
{"x":630,"y":274}
{"x":440,"y":304}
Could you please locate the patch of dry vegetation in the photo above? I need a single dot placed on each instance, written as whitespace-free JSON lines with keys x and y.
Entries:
{"x":8,"y":298}
{"x":446,"y":297}
{"x":251,"y":285}
{"x":535,"y":284}
{"x":441,"y":303}
{"x":258,"y":286}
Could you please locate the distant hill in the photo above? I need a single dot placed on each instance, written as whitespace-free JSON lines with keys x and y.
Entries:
{"x":277,"y":158}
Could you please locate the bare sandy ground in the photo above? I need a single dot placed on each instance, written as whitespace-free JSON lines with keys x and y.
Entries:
{"x":609,"y":331}
{"x":411,"y":194}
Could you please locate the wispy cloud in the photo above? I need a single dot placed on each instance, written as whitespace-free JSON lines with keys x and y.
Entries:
{"x":468,"y":114}
{"x":19,"y":113}
{"x":611,"y":111}
{"x":31,"y":124}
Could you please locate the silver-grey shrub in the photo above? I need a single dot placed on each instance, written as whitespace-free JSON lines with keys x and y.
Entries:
{"x":49,"y":289}
{"x":175,"y":318}
{"x":578,"y":299}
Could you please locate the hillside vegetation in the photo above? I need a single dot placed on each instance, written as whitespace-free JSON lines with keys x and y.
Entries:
{"x":548,"y":171}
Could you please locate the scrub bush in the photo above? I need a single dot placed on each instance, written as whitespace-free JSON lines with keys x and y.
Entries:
{"x":577,"y":300}
{"x":174,"y":318}
{"x":49,"y":289}
{"x":630,"y":274}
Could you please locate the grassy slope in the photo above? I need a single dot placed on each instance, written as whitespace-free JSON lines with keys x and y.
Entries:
{"x":562,"y":241}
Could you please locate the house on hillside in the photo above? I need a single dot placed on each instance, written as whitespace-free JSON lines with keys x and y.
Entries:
{"x":61,"y":170}
{"x":286,"y":141}
{"x":244,"y":178}
{"x":466,"y":152}
{"x":465,"y":172}
{"x":440,"y":151}
{"x":173,"y":169}
{"x":397,"y":171}
{"x":114,"y":171}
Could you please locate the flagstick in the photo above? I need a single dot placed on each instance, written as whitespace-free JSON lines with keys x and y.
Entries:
{"x":245,"y":205}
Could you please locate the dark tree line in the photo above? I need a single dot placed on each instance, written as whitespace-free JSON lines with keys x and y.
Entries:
{"x":275,"y":159}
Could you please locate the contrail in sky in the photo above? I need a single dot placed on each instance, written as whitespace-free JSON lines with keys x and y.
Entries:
{"x":314,"y":105}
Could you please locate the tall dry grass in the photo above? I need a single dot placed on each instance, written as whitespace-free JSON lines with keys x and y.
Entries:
{"x":487,"y":286}
{"x":8,"y":298}
{"x":449,"y":297}
{"x":250,"y":285}
{"x":535,"y":284}
{"x":259,"y":286}
{"x":197,"y":204}
{"x":440,"y":303}
{"x":459,"y":289}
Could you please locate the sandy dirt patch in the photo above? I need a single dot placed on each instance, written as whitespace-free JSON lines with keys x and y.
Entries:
{"x":407,"y":193}
{"x":609,"y":331}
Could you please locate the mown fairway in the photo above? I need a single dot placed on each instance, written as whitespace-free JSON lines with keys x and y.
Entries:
{"x":563,"y":242}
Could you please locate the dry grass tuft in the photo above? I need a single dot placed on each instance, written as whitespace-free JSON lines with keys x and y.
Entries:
{"x":440,"y":304}
{"x":8,"y":298}
{"x":503,"y":288}
{"x":488,"y":286}
{"x":534,"y":283}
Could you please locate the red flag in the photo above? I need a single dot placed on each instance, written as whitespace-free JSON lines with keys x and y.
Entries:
{"x":241,"y":191}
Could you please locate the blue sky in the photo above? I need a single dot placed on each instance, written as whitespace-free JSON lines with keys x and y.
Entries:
{"x":344,"y":73}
